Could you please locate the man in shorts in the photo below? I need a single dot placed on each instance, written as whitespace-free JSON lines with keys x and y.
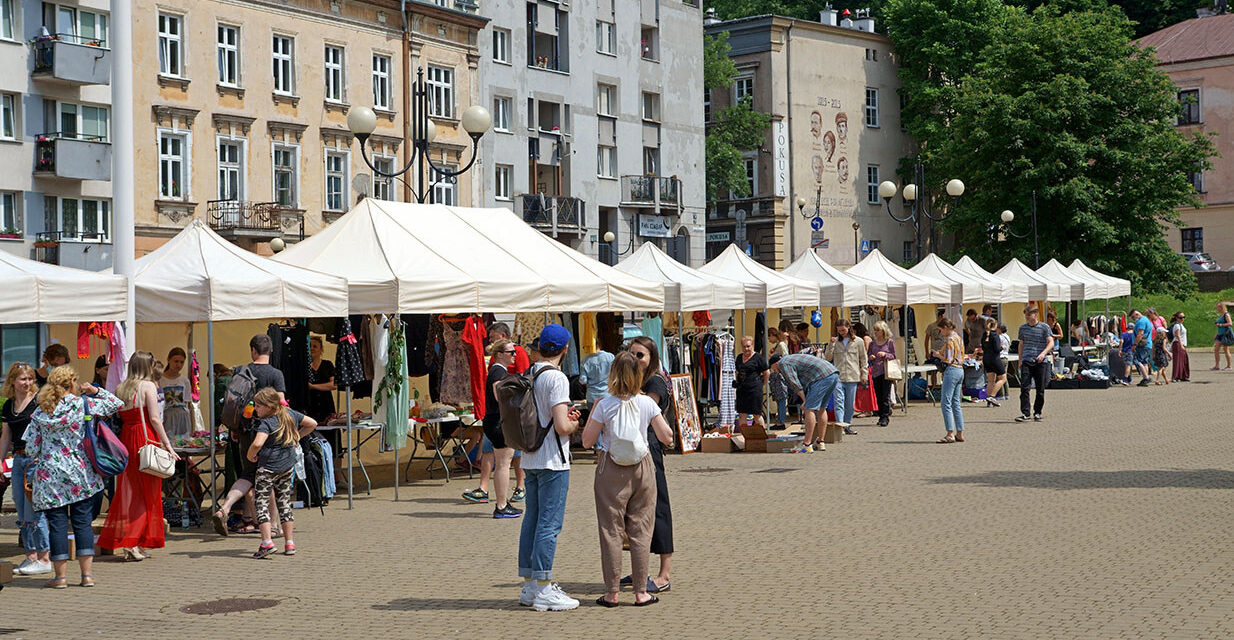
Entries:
{"x":814,"y":380}
{"x":1143,"y":350}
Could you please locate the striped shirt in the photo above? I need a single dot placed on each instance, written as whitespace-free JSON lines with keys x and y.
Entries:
{"x":802,"y":370}
{"x":1033,"y":339}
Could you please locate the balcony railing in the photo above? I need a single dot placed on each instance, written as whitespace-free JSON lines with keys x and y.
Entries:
{"x":253,"y":220}
{"x":659,"y":192}
{"x":753,"y":208}
{"x":554,"y":214}
{"x":47,"y":247}
{"x":72,"y":59}
{"x":73,"y":156}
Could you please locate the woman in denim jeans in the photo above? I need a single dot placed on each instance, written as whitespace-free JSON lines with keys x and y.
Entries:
{"x":20,"y":389}
{"x":64,"y":480}
{"x":953,"y":382}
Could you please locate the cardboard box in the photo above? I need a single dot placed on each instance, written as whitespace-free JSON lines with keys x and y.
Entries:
{"x":834,"y":433}
{"x":755,"y":437}
{"x":6,"y":572}
{"x":719,"y":444}
{"x":781,"y":445}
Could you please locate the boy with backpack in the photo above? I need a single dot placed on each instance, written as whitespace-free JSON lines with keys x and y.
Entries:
{"x":543,"y":435}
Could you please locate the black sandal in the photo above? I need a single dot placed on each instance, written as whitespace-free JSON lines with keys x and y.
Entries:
{"x":647,"y":603}
{"x":605,"y":603}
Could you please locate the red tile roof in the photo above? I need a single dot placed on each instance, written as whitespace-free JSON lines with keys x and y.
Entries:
{"x":1196,"y":39}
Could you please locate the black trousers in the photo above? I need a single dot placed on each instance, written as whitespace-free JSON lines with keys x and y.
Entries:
{"x":662,"y":535}
{"x":1038,"y":374}
{"x":882,"y":391}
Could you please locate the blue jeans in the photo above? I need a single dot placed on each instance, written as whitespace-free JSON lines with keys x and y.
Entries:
{"x":846,"y":397}
{"x":545,"y":512}
{"x":77,"y":515}
{"x":781,"y":410}
{"x":820,"y":392}
{"x":32,"y":525}
{"x":953,"y":394}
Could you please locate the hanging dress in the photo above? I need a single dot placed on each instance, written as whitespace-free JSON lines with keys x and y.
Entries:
{"x":455,"y":374}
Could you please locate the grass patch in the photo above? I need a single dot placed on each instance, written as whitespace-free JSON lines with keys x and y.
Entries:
{"x":1201,"y":311}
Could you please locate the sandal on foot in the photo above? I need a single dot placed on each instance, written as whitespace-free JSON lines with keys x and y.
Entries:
{"x":87,"y":580}
{"x":220,"y":525}
{"x":605,"y":603}
{"x":56,"y":583}
{"x":263,"y":551}
{"x":959,"y":437}
{"x":947,"y":440}
{"x":627,"y":581}
{"x":647,"y":603}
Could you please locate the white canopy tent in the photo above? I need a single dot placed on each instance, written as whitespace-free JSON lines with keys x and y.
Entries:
{"x":1054,"y":271}
{"x":40,"y":292}
{"x":687,"y":289}
{"x":1013,"y":291}
{"x":414,"y":258}
{"x":919,"y":289}
{"x":1017,"y":271}
{"x":782,"y":291}
{"x":1114,"y":287}
{"x":856,"y":290}
{"x":972,"y":289}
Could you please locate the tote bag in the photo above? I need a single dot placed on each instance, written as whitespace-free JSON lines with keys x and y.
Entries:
{"x":893,"y":370}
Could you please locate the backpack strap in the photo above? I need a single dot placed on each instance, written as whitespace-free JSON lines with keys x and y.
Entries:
{"x":556,"y":438}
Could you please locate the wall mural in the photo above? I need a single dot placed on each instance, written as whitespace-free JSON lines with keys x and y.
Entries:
{"x":829,"y":159}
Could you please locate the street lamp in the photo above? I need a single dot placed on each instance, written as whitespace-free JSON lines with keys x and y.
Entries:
{"x":1007,"y":217}
{"x":362,"y":121}
{"x":818,"y":205}
{"x":856,"y":250}
{"x":917,"y":207}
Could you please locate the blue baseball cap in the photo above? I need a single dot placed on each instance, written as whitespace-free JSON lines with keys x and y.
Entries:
{"x":553,"y":337}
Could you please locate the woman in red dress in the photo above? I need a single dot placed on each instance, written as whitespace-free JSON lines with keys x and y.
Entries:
{"x":135,"y":517}
{"x":867,"y":401}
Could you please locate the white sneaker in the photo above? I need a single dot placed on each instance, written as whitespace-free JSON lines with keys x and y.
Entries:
{"x":21,"y":568}
{"x":527,"y":594}
{"x":818,"y":446}
{"x":552,"y":598}
{"x":36,"y":568}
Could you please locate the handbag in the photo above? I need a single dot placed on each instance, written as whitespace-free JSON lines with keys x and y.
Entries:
{"x":892,"y":370}
{"x":151,"y":458}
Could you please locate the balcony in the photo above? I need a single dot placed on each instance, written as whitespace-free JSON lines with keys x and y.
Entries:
{"x":47,"y":247}
{"x":754,"y":208}
{"x":655,"y":192}
{"x":72,"y":60}
{"x":554,"y":215}
{"x":72,"y":157}
{"x":254,"y":221}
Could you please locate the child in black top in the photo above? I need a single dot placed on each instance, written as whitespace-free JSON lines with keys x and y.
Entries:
{"x":279,"y":429}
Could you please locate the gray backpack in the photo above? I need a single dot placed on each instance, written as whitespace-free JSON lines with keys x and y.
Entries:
{"x":520,"y":420}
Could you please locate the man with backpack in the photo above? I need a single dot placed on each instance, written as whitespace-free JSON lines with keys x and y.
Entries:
{"x":543,"y":435}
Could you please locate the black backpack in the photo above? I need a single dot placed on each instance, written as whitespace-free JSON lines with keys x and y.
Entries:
{"x":520,"y":418}
{"x":239,"y":394}
{"x":312,"y":491}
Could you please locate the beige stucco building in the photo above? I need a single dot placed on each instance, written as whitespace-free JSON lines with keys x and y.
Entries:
{"x":831,"y":90}
{"x":1198,"y":55}
{"x":241,"y":109}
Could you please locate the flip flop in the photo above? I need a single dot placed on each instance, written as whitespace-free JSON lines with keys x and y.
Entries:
{"x":605,"y":603}
{"x":959,"y":438}
{"x":947,"y":440}
{"x":647,"y":603}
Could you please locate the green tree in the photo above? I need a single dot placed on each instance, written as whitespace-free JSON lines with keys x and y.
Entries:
{"x":734,"y":129}
{"x":1147,"y":15}
{"x":1061,"y":104}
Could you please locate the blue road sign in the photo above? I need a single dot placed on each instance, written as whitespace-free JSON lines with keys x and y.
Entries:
{"x":816,"y":223}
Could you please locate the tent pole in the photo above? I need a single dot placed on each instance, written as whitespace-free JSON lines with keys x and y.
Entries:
{"x":351,"y":454}
{"x":213,"y":428}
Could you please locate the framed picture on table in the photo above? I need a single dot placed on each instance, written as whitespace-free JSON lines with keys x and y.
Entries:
{"x":689,"y":427}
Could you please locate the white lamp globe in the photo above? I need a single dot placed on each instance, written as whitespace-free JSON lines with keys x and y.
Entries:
{"x":1007,"y":216}
{"x":277,"y":245}
{"x":476,"y":120}
{"x":887,"y":189}
{"x":955,"y":188}
{"x":609,"y":237}
{"x":430,"y":131}
{"x":910,"y":192}
{"x":801,"y":202}
{"x":361,"y":121}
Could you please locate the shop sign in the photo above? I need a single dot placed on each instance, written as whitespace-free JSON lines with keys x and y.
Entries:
{"x":655,"y":226}
{"x":718,"y":236}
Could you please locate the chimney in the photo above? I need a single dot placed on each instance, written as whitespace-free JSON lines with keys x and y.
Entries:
{"x":846,"y":19}
{"x":828,"y":16}
{"x":710,"y":17}
{"x":864,"y":22}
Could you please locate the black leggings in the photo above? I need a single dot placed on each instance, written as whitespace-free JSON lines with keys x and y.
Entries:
{"x":662,"y":535}
{"x":882,"y":391}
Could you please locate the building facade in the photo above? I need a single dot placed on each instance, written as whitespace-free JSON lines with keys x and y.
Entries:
{"x":597,"y":122}
{"x":1198,"y":55}
{"x":832,"y":92}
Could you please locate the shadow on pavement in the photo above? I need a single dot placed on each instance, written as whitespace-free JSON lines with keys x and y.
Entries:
{"x":439,"y":501}
{"x":1129,"y":479}
{"x":449,"y":514}
{"x":449,"y":604}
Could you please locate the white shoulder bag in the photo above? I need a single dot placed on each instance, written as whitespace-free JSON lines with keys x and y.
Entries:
{"x":152,"y":458}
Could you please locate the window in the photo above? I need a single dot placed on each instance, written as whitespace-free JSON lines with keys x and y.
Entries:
{"x":875,"y":244}
{"x":336,"y":180}
{"x":909,"y":255}
{"x":872,"y":55}
{"x":501,"y":181}
{"x":606,"y":161}
{"x":286,"y":162}
{"x":6,"y":19}
{"x":10,"y":221}
{"x":171,"y":45}
{"x":8,"y":116}
{"x":443,"y":187}
{"x":381,"y":82}
{"x":383,"y":187}
{"x":231,"y":163}
{"x":78,"y":120}
{"x":80,"y":219}
{"x":651,"y":106}
{"x":606,"y":100}
{"x":334,"y":73}
{"x":173,"y":164}
{"x":871,"y":107}
{"x":284,"y":65}
{"x":872,"y":184}
{"x":706,"y":105}
{"x":743,"y":87}
{"x":1189,"y":102}
{"x":229,"y":55}
{"x":750,"y":163}
{"x":440,"y":92}
{"x":1193,"y":239}
{"x":649,"y":41}
{"x":72,"y":24}
{"x":501,"y":45}
{"x":1196,"y":179}
{"x":651,"y":161}
{"x":502,"y":105}
{"x":606,"y":37}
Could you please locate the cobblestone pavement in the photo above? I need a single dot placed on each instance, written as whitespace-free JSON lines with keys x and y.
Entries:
{"x":1111,"y":519}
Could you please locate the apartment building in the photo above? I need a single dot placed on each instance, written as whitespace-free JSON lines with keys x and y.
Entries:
{"x":832,"y":92}
{"x":241,"y":109}
{"x":597,"y":122}
{"x":1198,"y":55}
{"x":55,"y":143}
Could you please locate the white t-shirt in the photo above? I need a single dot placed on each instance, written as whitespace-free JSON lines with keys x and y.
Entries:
{"x":552,"y":388}
{"x":1182,"y":333}
{"x":605,"y":412}
{"x":176,"y":391}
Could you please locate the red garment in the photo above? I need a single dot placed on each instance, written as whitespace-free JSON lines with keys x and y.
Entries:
{"x":702,"y":318}
{"x":522,"y":361}
{"x":87,"y":329}
{"x":135,"y":517}
{"x":866,"y":402}
{"x":474,"y":335}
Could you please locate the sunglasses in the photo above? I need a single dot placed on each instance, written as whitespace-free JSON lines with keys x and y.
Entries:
{"x":640,"y":355}
{"x":511,"y":352}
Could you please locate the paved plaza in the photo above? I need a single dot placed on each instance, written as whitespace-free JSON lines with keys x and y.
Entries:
{"x":1111,"y":519}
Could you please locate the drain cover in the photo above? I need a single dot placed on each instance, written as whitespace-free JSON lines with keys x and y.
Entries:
{"x":228,"y":605}
{"x":774,"y":470}
{"x":705,"y":470}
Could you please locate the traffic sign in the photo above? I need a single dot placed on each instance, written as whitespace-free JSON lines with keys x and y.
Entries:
{"x":865,"y":246}
{"x":816,"y":223}
{"x":818,"y":241}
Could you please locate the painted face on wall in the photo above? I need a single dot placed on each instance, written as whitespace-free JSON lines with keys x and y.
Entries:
{"x":829,"y":144}
{"x":816,"y":163}
{"x":816,"y":124}
{"x":842,"y":126}
{"x":842,"y":169}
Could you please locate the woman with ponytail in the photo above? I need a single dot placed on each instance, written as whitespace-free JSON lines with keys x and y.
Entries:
{"x":279,"y":429}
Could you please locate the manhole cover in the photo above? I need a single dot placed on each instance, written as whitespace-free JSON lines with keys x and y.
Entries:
{"x":228,"y":605}
{"x":774,"y":470}
{"x":705,"y":470}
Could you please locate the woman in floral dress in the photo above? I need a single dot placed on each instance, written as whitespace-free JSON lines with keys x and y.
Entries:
{"x":65,"y":483}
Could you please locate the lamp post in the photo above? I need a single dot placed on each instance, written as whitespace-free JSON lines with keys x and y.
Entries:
{"x":856,"y":247}
{"x":476,"y":121}
{"x":610,"y":239}
{"x":917,"y":208}
{"x":1008,"y":216}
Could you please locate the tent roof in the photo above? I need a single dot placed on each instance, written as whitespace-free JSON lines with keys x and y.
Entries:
{"x":972,"y":289}
{"x":403,"y":257}
{"x":1114,"y":287}
{"x":199,"y":276}
{"x":855,"y":290}
{"x":40,"y":292}
{"x":782,"y":291}
{"x":919,"y":289}
{"x":687,"y":289}
{"x":1054,"y":271}
{"x":1014,"y":291}
{"x":1017,"y":271}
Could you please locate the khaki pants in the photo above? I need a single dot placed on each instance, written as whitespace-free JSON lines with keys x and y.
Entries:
{"x":625,"y":503}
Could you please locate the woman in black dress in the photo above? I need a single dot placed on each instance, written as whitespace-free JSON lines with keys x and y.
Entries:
{"x":992,"y":361}
{"x":321,"y":399}
{"x":752,"y":375}
{"x":655,"y":385}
